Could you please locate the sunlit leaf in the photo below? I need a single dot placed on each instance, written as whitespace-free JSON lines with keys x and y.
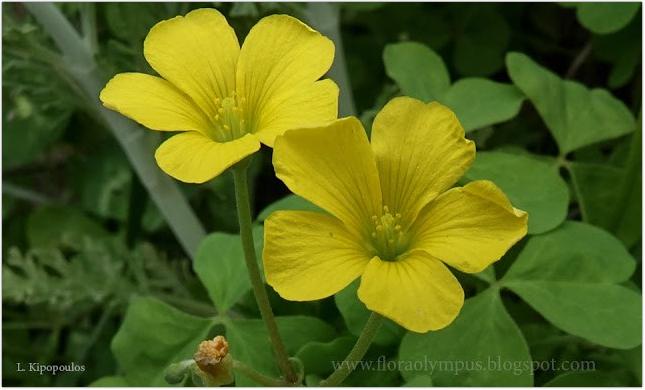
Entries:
{"x":481,"y":102}
{"x":220,"y":266}
{"x":419,"y":71}
{"x":482,"y":347}
{"x":532,"y":185}
{"x":575,"y":115}
{"x":571,"y":276}
{"x":605,"y":18}
{"x":154,"y":335}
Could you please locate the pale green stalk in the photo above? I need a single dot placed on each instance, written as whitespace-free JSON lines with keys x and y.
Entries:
{"x":246,"y":233}
{"x":138,"y":144}
{"x":357,"y":353}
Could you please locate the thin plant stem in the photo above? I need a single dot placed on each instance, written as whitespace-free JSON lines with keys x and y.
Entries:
{"x":258,"y":377}
{"x":356,"y":354}
{"x":579,"y":60}
{"x":138,"y":144}
{"x":240,"y":177}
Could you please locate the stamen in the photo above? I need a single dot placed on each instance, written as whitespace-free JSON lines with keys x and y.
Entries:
{"x":388,"y":238}
{"x":229,"y":123}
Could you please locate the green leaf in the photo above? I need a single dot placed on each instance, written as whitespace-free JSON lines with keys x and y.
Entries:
{"x":103,"y":181}
{"x":110,"y":381}
{"x":417,"y":69}
{"x":220,"y":266}
{"x":480,"y":102}
{"x":532,"y":185}
{"x":575,"y":115}
{"x":481,"y":42}
{"x":154,"y":335}
{"x":419,"y":381}
{"x":356,"y":314}
{"x":575,"y":252}
{"x":249,"y":341}
{"x":605,"y":18}
{"x":597,"y":187}
{"x":317,"y":357}
{"x":482,"y":347}
{"x":70,"y":226}
{"x":131,"y":21}
{"x":289,"y":202}
{"x":621,"y":49}
{"x":587,"y":379}
{"x":570,"y":276}
{"x":487,"y":275}
{"x":420,"y":73}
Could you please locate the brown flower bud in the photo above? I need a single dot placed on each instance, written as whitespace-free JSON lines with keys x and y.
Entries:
{"x":213,"y":359}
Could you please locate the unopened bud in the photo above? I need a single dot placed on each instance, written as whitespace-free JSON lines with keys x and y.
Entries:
{"x":176,"y":372}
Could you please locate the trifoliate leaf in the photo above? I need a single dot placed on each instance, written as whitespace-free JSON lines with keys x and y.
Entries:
{"x":482,"y":347}
{"x":575,"y":115}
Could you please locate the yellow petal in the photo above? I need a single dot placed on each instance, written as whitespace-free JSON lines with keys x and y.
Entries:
{"x":332,"y":167}
{"x":420,"y":151}
{"x":153,"y":102}
{"x":197,"y":53}
{"x":418,"y":292}
{"x":280,"y":60}
{"x":309,"y":255}
{"x":194,"y":158}
{"x":469,"y":227}
{"x":316,"y":104}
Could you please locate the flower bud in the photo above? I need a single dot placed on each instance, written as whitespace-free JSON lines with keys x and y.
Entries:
{"x":214,"y":362}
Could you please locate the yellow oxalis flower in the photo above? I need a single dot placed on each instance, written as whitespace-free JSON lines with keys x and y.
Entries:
{"x":225,"y":99}
{"x":393,"y":219}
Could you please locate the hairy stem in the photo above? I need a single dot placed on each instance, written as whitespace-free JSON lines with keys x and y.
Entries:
{"x":246,"y":223}
{"x":356,"y":354}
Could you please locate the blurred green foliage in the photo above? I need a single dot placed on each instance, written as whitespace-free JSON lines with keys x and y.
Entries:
{"x":551,"y":93}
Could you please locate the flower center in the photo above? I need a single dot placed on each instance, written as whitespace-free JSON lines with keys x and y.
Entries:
{"x":388,"y":238}
{"x":229,"y":123}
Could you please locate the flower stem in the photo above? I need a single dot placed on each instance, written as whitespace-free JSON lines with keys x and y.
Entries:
{"x":356,"y":354}
{"x":244,"y":217}
{"x":258,"y":377}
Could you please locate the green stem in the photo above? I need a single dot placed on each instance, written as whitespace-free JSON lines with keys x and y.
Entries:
{"x":325,"y":17}
{"x":137,"y":143}
{"x":244,"y":216}
{"x":356,"y":354}
{"x":26,"y":194}
{"x":258,"y":377}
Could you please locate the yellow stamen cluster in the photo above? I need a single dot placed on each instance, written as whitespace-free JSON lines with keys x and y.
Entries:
{"x":388,"y":238}
{"x":229,"y":122}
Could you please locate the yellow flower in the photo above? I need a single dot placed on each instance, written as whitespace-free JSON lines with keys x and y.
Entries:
{"x":225,"y":99}
{"x":392,"y":218}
